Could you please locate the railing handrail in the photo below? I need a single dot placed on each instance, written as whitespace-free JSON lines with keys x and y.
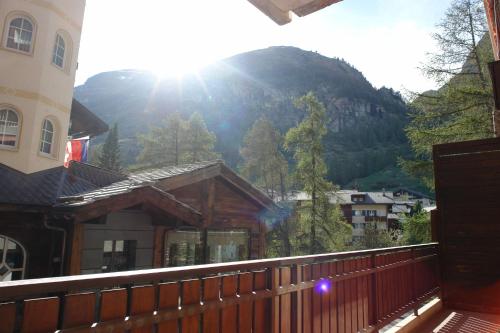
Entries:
{"x":32,"y":287}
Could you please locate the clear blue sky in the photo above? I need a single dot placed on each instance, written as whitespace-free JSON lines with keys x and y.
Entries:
{"x":386,"y":39}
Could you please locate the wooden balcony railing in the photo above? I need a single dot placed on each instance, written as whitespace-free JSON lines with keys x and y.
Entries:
{"x":339,"y":292}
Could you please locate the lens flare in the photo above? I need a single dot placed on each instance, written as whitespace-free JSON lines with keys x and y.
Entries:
{"x":322,"y":286}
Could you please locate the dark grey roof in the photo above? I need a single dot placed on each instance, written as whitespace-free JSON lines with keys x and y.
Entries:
{"x":154,"y":175}
{"x":344,"y":197}
{"x":134,"y":181}
{"x":44,"y":187}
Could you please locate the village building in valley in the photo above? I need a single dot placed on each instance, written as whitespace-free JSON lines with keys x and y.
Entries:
{"x":57,"y":220}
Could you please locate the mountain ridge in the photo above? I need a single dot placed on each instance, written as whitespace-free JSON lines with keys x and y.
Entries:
{"x":365,"y":128}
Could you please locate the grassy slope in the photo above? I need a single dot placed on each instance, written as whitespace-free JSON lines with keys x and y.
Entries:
{"x":389,"y":178}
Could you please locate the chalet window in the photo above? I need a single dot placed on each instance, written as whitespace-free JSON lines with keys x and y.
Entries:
{"x":12,"y":260}
{"x":59,"y":51}
{"x":183,"y":248}
{"x":47,"y":138}
{"x":118,"y":255}
{"x":20,"y":35}
{"x":9,"y":128}
{"x":227,"y":245}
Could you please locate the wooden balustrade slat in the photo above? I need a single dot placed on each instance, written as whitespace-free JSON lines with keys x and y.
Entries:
{"x":316,"y":300}
{"x":40,"y":315}
{"x":113,"y":305}
{"x":261,"y":322}
{"x":285,"y":301}
{"x":229,"y":316}
{"x":168,"y":298}
{"x":191,"y":295}
{"x":341,"y":299}
{"x":325,"y":300}
{"x":359,"y":293}
{"x":354,"y":297}
{"x":245,"y":309}
{"x":307,"y":301}
{"x":211,"y":289}
{"x":8,"y":316}
{"x":79,"y":310}
{"x":347,"y":298}
{"x":142,"y":301}
{"x":366,"y":290}
{"x":333,"y":298}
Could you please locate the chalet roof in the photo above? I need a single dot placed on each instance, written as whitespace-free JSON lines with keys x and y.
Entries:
{"x":150,"y":178}
{"x":280,"y":10}
{"x":43,"y":188}
{"x":344,"y":197}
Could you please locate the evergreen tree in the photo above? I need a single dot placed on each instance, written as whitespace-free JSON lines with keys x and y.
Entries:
{"x":109,"y":157}
{"x":305,"y":141}
{"x":417,"y":226}
{"x":375,"y":238}
{"x":164,"y":145}
{"x":461,"y":109}
{"x":198,"y":141}
{"x":263,"y":161}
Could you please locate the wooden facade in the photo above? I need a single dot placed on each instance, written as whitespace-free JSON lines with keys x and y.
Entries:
{"x":468,"y":230}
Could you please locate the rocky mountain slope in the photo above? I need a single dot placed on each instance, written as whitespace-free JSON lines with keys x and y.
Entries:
{"x":365,"y":124}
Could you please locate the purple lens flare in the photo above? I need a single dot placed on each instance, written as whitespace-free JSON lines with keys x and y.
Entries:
{"x":323,"y":286}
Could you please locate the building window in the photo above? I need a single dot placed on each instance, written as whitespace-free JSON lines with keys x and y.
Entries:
{"x":59,"y":51}
{"x":183,"y":248}
{"x":9,"y":128}
{"x":47,"y":138}
{"x":20,"y":34}
{"x":118,"y":255}
{"x":12,"y":260}
{"x":227,"y":245}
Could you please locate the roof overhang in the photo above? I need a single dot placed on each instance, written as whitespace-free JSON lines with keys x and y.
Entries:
{"x":155,"y":197}
{"x":84,"y":122}
{"x":280,"y":11}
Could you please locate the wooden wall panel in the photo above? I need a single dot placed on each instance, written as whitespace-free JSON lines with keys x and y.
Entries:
{"x":468,"y":200}
{"x":79,"y":309}
{"x":191,"y":295}
{"x":168,"y":299}
{"x":8,"y":316}
{"x":40,"y":315}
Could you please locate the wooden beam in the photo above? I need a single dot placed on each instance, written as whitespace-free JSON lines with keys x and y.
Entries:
{"x":272,"y":11}
{"x":158,"y":250}
{"x":76,"y":249}
{"x":313,"y":6}
{"x":162,"y":200}
{"x":208,"y":202}
{"x":189,"y":178}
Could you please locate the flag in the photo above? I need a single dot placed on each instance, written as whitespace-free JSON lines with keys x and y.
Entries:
{"x":76,"y":150}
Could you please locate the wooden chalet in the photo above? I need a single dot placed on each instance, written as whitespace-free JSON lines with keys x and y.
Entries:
{"x":88,"y":220}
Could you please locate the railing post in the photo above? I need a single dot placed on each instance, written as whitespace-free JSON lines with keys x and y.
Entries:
{"x":373,"y":295}
{"x":414,"y":282}
{"x":275,"y":306}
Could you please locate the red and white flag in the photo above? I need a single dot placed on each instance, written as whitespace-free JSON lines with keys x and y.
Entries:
{"x":77,"y":150}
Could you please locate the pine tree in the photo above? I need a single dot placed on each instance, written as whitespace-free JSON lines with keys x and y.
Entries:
{"x":305,"y":141}
{"x":164,"y":145}
{"x":109,"y":157}
{"x":198,"y":141}
{"x":461,"y":109}
{"x":263,"y":161}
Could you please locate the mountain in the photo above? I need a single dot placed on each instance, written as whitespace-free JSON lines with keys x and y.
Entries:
{"x":365,"y":124}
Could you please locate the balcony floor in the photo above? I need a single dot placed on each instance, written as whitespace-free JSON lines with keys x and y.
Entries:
{"x":457,"y":321}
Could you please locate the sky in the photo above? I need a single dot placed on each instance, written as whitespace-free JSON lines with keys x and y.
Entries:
{"x":387,"y":40}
